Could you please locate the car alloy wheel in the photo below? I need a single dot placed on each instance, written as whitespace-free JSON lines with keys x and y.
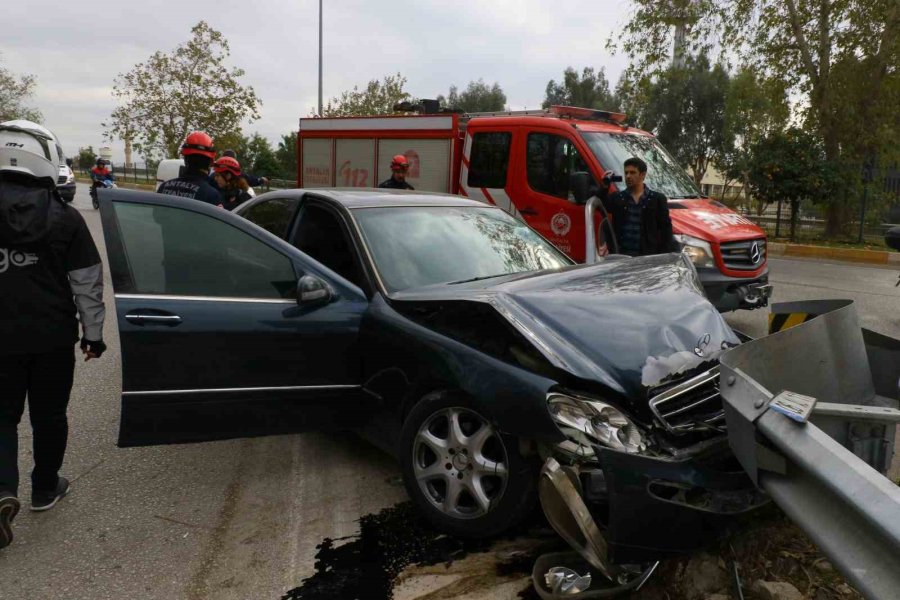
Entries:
{"x":460,"y":463}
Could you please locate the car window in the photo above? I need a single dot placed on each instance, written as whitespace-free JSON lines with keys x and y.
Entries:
{"x":489,"y":160}
{"x":273,"y":215}
{"x":171,"y":251}
{"x":419,"y":246}
{"x":320,"y":235}
{"x":550,"y":160}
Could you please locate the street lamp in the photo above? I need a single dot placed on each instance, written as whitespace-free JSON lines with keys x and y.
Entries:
{"x":320,"y":58}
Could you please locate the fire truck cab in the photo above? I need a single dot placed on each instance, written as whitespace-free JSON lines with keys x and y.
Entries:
{"x":523,"y":162}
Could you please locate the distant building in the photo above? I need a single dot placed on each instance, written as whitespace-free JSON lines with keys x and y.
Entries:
{"x":713,"y":185}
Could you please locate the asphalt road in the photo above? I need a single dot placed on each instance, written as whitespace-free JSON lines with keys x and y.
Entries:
{"x":241,"y":519}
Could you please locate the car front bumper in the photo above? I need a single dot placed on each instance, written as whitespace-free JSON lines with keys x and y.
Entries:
{"x":735,"y":293}
{"x":634,"y":509}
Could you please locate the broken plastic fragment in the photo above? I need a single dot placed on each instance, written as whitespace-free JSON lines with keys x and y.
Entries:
{"x":565,"y":581}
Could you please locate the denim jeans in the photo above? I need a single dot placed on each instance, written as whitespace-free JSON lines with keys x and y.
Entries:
{"x":46,"y":380}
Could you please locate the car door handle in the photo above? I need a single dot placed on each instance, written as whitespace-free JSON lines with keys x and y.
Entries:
{"x":528,"y":211}
{"x":142,"y":319}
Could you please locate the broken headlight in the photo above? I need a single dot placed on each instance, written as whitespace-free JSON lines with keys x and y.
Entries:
{"x":586,"y":422}
{"x":699,"y":251}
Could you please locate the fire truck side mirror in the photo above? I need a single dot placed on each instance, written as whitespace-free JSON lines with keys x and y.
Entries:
{"x":580,"y":186}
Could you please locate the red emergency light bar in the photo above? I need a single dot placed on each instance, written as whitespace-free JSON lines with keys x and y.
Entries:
{"x":588,"y":114}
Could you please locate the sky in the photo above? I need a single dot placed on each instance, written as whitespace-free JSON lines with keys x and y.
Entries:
{"x":76,"y":49}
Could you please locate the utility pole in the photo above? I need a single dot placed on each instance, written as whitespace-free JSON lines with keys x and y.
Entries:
{"x":320,"y":58}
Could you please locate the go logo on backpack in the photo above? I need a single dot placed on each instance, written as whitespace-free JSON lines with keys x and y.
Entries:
{"x":15,"y":258}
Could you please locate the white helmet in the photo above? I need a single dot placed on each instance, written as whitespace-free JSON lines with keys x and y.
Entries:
{"x":27,"y":148}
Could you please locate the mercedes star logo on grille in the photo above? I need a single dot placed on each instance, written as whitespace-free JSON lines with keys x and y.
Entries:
{"x":754,"y":253}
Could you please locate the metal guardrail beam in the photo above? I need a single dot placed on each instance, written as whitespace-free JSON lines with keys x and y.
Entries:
{"x":847,"y":508}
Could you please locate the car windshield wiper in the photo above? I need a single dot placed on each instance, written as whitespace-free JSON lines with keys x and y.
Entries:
{"x":685,"y":197}
{"x":478,"y":278}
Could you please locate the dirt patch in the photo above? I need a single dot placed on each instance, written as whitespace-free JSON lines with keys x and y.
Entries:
{"x":769,"y":548}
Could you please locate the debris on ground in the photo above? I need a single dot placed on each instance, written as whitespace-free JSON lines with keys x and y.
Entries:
{"x":398,"y":556}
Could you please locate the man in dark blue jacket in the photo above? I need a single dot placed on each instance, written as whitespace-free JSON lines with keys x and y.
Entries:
{"x":198,"y":153}
{"x":50,"y":271}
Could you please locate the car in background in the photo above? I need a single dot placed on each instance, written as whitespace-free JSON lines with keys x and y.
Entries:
{"x":447,"y":332}
{"x":65,"y":183}
{"x":169,"y":168}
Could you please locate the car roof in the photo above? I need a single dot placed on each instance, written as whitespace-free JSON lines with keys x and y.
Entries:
{"x":353,"y":198}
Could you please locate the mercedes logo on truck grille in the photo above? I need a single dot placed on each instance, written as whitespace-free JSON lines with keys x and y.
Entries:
{"x":754,"y":252}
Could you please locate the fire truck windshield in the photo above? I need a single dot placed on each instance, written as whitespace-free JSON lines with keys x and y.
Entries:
{"x":663,"y":172}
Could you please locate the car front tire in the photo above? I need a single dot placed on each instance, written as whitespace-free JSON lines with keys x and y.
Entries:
{"x":467,"y":478}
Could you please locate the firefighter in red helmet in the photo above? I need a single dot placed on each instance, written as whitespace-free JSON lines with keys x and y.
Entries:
{"x":234,"y":188}
{"x":198,"y":153}
{"x":399,"y":169}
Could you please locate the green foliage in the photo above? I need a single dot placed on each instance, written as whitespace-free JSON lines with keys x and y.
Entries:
{"x":233,"y":140}
{"x":260,"y":157}
{"x":685,"y":108}
{"x":286,"y":154}
{"x":14,"y":92}
{"x":87,"y":158}
{"x":378,"y":98}
{"x":839,"y":57}
{"x":754,"y":108}
{"x":163,"y":99}
{"x":590,"y":89}
{"x":477,"y":97}
{"x":790,"y":166}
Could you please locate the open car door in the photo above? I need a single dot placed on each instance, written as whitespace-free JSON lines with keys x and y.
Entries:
{"x":226,"y":330}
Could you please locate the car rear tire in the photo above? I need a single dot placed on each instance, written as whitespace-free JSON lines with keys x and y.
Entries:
{"x":467,"y":478}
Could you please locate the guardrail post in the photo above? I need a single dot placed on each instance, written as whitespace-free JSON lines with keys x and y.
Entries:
{"x":847,"y":508}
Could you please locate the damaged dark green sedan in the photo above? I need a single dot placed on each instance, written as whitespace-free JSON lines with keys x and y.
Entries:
{"x":447,"y":332}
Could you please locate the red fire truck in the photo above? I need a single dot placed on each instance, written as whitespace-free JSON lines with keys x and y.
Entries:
{"x":523,"y":162}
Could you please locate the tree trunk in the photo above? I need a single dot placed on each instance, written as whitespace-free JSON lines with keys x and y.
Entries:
{"x":795,"y":208}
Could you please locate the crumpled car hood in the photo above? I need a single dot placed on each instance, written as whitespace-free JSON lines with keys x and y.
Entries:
{"x":624,"y":323}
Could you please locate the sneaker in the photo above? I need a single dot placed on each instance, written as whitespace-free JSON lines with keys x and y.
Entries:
{"x":9,"y":508}
{"x":47,"y":500}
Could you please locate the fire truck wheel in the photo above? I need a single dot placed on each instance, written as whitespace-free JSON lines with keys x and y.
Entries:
{"x":466,"y":477}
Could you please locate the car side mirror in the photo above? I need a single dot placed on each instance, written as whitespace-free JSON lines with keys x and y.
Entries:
{"x":312,"y":291}
{"x":580,"y":186}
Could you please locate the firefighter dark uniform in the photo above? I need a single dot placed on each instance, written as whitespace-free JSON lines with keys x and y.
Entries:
{"x":393,"y":184}
{"x":399,"y":169}
{"x":198,"y":153}
{"x":192,"y":185}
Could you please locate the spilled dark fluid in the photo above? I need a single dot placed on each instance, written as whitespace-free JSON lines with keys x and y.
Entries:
{"x":365,"y":566}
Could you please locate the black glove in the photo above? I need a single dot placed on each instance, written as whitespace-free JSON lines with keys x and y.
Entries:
{"x":97,"y":348}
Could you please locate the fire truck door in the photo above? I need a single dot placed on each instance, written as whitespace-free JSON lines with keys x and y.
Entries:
{"x":544,"y":195}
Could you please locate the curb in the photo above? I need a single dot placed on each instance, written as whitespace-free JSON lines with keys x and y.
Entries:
{"x":878,"y":257}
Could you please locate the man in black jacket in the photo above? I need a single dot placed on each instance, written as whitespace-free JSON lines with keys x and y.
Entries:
{"x":640,"y":216}
{"x":50,"y":271}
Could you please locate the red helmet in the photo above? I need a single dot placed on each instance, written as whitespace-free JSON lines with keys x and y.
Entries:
{"x":399,"y":163}
{"x":198,"y":142}
{"x":226,"y":164}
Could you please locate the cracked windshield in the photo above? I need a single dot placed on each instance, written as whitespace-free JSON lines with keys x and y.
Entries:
{"x":413,"y":247}
{"x":663,"y":172}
